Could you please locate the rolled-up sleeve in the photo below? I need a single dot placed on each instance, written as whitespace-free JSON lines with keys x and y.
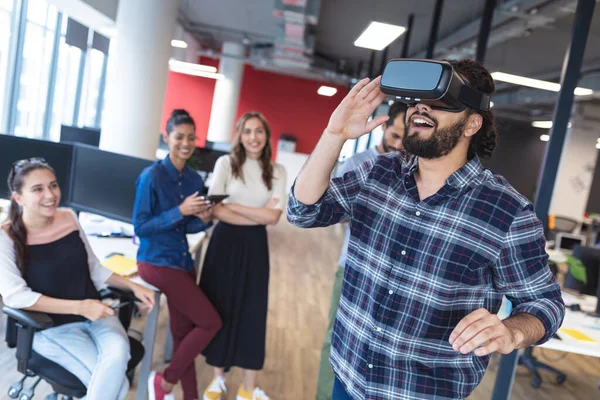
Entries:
{"x":523,"y":276}
{"x":335,"y":204}
{"x":13,"y":288}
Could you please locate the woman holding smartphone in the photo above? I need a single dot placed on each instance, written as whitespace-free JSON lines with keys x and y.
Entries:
{"x":235,"y":275}
{"x":168,"y":206}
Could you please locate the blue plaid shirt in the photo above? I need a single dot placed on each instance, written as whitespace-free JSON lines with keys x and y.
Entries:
{"x":416,"y":268}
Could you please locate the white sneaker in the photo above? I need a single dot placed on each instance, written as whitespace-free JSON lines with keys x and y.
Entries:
{"x":215,"y":389}
{"x":257,"y":394}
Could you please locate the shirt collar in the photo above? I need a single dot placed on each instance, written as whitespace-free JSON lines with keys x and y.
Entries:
{"x":465,"y":175}
{"x":170,"y":168}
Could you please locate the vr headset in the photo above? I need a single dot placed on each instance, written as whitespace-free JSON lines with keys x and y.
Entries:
{"x":434,"y":83}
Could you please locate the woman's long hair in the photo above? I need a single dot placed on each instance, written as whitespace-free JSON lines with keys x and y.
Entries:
{"x":17,"y":230}
{"x":238,"y":153}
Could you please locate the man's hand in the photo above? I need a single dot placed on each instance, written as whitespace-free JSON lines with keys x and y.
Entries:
{"x":481,"y":328}
{"x":350,"y":118}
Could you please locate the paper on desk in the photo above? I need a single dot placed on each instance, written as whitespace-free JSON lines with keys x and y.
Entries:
{"x":576,"y":334}
{"x":592,"y":322}
{"x":569,"y":298}
{"x":121,"y":265}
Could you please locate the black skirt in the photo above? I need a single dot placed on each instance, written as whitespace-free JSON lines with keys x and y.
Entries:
{"x":235,"y":278}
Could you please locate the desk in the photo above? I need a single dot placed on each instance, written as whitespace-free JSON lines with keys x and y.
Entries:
{"x":572,"y":320}
{"x":580,"y":322}
{"x":104,"y":246}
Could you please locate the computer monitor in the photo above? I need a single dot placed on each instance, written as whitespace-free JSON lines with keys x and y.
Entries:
{"x":204,"y":159}
{"x":74,"y":134}
{"x":598,"y":296}
{"x":58,"y":155}
{"x":104,"y":182}
{"x":566,"y":242}
{"x":218,"y":146}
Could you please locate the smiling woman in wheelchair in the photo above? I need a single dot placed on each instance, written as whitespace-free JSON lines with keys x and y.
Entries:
{"x":46,"y":265}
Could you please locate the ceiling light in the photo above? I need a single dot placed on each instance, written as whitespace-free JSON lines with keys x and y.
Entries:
{"x":378,"y":35}
{"x":204,"y":71}
{"x":598,"y":145}
{"x":544,"y":138}
{"x":546,"y":124}
{"x":542,"y":124}
{"x":491,"y":104}
{"x":536,"y":83}
{"x":179,"y":43}
{"x":583,"y":91}
{"x":327,"y":91}
{"x":203,"y":74}
{"x":186,"y":65}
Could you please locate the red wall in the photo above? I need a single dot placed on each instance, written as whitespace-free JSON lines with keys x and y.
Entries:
{"x":291,"y":105}
{"x":193,"y":93}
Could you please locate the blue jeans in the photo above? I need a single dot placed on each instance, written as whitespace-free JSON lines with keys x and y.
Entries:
{"x":339,"y":393}
{"x":96,"y":352}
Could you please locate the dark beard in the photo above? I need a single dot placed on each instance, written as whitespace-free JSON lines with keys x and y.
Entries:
{"x":440,"y":143}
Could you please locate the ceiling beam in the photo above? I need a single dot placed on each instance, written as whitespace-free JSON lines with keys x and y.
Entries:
{"x":507,"y":24}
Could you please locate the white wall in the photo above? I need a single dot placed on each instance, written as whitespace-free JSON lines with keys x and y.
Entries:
{"x":576,"y":170}
{"x":292,"y":162}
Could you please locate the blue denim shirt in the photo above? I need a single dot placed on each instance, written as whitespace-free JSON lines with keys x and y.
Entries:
{"x":157,"y":221}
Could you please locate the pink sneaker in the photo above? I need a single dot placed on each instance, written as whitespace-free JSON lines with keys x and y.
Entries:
{"x":155,"y":390}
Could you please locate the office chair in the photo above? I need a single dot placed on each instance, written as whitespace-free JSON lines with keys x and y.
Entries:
{"x":20,"y":328}
{"x":590,"y":258}
{"x":533,"y":364}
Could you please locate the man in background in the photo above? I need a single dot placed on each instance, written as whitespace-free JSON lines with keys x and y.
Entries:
{"x":391,"y":141}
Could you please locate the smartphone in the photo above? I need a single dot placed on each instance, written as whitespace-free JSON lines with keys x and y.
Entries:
{"x":119,"y":305}
{"x":217,"y":198}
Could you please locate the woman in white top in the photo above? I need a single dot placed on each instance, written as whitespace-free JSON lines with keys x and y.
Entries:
{"x":235,"y":275}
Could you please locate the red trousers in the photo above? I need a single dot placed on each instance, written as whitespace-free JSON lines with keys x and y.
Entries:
{"x":193,"y":319}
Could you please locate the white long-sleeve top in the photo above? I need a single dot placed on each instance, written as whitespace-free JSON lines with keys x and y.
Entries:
{"x":13,"y":288}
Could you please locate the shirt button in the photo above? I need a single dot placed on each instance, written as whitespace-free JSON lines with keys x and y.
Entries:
{"x":371,"y":366}
{"x":183,"y":254}
{"x":179,"y":183}
{"x":181,"y":196}
{"x":176,"y":229}
{"x":378,"y":329}
{"x":183,"y":241}
{"x":391,"y":292}
{"x":418,"y":213}
{"x":403,"y":252}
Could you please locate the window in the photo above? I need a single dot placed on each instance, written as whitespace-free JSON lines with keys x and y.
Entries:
{"x":91,"y":88}
{"x":35,"y":71}
{"x":6,"y":38}
{"x":65,"y":91}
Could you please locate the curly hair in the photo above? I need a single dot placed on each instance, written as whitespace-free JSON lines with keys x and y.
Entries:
{"x":483,"y":142}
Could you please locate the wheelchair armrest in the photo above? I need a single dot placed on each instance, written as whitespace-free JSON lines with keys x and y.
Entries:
{"x":36,"y":320}
{"x":27,"y":323}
